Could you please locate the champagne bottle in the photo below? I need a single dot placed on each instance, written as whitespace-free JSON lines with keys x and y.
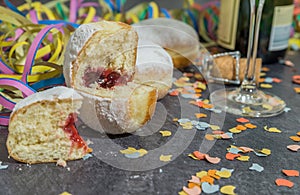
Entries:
{"x":276,"y":23}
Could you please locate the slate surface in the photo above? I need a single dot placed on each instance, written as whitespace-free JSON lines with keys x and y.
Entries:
{"x":109,"y":172}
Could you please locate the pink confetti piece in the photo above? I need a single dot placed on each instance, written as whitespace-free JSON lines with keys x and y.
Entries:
{"x":195,"y":180}
{"x":196,"y":190}
{"x":293,"y":148}
{"x":246,"y":149}
{"x":213,"y":160}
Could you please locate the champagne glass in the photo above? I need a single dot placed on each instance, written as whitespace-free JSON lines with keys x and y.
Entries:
{"x":248,"y":100}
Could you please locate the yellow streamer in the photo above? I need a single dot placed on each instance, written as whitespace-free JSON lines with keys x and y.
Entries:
{"x":155,"y":9}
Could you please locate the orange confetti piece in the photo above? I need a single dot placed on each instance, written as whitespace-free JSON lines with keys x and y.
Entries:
{"x":231,"y":156}
{"x":246,"y":149}
{"x":241,"y":127}
{"x":196,"y":190}
{"x":209,"y":137}
{"x":276,"y":80}
{"x":265,"y":69}
{"x":174,"y":93}
{"x":208,"y":179}
{"x":261,"y":80}
{"x":191,"y":185}
{"x":295,"y":138}
{"x":200,"y":115}
{"x":242,"y":120}
{"x":297,"y":89}
{"x":212,"y":173}
{"x":291,"y":173}
{"x":298,"y":133}
{"x":250,"y":126}
{"x":208,"y":106}
{"x":284,"y":182}
{"x":218,"y":132}
{"x":199,"y":155}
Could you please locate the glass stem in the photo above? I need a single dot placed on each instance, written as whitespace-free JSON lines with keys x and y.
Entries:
{"x":249,"y":83}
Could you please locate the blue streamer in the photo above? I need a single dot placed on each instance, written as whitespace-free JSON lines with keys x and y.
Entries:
{"x":13,"y":8}
{"x":47,"y":83}
{"x":165,"y":12}
{"x":49,"y":22}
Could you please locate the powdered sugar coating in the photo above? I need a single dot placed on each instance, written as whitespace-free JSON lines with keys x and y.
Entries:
{"x":77,"y":41}
{"x":59,"y":92}
{"x":169,"y":33}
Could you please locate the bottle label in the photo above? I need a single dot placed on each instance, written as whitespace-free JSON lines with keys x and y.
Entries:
{"x":281,"y":25}
{"x":229,"y":12}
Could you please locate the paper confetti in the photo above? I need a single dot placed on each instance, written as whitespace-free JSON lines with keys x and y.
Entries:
{"x":131,"y":152}
{"x":213,"y":160}
{"x":272,"y":129}
{"x":293,"y":148}
{"x":65,"y":193}
{"x":243,"y":158}
{"x":208,"y":188}
{"x":200,"y":115}
{"x":3,"y":166}
{"x":250,"y":126}
{"x":165,"y":158}
{"x":241,"y":127}
{"x":196,"y":155}
{"x":224,"y":173}
{"x":133,"y":155}
{"x":201,"y":174}
{"x":297,"y":89}
{"x":265,"y":151}
{"x":246,"y":149}
{"x":295,"y":138}
{"x":291,"y":173}
{"x":165,"y":133}
{"x":242,"y":120}
{"x":256,"y":167}
{"x":231,"y":156}
{"x":284,"y":182}
{"x":266,"y":86}
{"x":228,"y":189}
{"x":235,"y":130}
{"x":195,"y":180}
{"x":192,"y":191}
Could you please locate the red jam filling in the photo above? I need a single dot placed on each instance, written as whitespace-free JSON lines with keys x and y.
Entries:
{"x":104,"y":78}
{"x":71,"y":130}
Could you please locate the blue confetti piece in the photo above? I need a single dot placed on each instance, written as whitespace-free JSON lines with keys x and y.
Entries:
{"x":268,"y":80}
{"x":286,"y":109}
{"x":256,"y":167}
{"x":3,"y":166}
{"x":234,"y":150}
{"x":200,"y":128}
{"x":209,"y":189}
{"x":87,"y":156}
{"x":229,"y":134}
{"x":204,"y":124}
{"x":133,"y":155}
{"x":225,"y":169}
{"x":260,"y":154}
{"x":195,"y":122}
{"x":184,"y":120}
